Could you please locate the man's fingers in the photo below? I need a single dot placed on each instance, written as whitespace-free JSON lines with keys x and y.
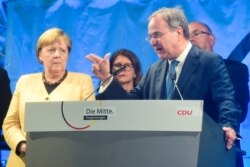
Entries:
{"x":94,"y":58}
{"x":106,"y":57}
{"x":95,"y":68}
{"x":230,"y":143}
{"x":100,"y":66}
{"x":230,"y":137}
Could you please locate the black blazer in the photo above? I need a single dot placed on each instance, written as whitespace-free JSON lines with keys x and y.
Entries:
{"x":203,"y":77}
{"x":5,"y":94}
{"x":239,"y":76}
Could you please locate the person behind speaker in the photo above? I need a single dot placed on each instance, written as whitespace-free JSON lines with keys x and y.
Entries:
{"x":202,"y":36}
{"x":55,"y":83}
{"x":131,"y":76}
{"x":199,"y":74}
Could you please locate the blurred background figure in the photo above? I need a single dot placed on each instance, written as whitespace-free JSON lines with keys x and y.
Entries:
{"x":5,"y":94}
{"x":202,"y":36}
{"x":54,"y":84}
{"x":131,"y":76}
{"x":128,"y":78}
{"x":5,"y":97}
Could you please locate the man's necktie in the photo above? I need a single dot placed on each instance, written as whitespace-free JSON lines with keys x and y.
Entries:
{"x":170,"y":79}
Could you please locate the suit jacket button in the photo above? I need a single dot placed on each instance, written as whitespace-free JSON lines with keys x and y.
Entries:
{"x":47,"y":98}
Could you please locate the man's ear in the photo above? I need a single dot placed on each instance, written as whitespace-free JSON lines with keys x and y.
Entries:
{"x":212,"y":39}
{"x":180,"y":31}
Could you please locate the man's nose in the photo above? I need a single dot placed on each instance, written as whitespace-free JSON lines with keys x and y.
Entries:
{"x":192,"y":39}
{"x":153,"y":41}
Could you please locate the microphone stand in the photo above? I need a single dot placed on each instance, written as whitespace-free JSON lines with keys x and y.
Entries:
{"x":173,"y":77}
{"x":113,"y":74}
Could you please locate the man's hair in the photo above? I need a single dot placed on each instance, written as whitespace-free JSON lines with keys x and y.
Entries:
{"x":174,"y":17}
{"x":206,"y":26}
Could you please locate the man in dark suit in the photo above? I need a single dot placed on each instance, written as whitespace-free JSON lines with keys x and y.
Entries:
{"x":200,"y":75}
{"x":202,"y":36}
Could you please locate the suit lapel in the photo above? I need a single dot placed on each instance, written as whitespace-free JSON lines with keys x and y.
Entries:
{"x":160,"y":87}
{"x":187,"y":70}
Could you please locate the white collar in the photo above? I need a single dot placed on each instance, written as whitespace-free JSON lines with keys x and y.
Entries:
{"x":181,"y":58}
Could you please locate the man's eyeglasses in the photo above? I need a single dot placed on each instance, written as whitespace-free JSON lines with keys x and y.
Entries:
{"x":198,"y":33}
{"x":155,"y":35}
{"x":118,"y":66}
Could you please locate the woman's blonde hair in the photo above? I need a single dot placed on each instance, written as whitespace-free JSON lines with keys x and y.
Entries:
{"x":50,"y":36}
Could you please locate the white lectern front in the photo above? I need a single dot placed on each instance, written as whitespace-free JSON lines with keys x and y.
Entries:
{"x":122,"y":133}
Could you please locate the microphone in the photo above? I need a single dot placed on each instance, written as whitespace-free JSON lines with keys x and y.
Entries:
{"x":118,"y":71}
{"x":113,"y":74}
{"x":173,"y":77}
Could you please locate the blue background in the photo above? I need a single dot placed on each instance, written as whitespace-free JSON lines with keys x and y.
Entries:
{"x":102,"y":26}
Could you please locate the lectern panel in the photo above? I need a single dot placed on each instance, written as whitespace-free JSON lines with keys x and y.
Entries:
{"x":115,"y":115}
{"x":134,"y":133}
{"x":112,"y":149}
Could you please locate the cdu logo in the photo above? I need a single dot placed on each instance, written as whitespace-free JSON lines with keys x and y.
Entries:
{"x":184,"y":112}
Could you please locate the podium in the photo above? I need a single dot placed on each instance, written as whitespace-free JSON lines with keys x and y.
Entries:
{"x":122,"y":133}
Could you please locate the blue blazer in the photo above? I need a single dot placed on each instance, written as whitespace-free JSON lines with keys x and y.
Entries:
{"x":203,"y":77}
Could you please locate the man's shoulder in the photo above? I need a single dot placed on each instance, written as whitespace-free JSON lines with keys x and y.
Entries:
{"x":3,"y":71}
{"x":237,"y":69}
{"x":235,"y":63}
{"x":159,"y":62}
{"x":158,"y":65}
{"x":203,"y":54}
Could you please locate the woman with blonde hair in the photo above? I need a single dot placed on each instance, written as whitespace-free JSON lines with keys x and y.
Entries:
{"x":55,"y":83}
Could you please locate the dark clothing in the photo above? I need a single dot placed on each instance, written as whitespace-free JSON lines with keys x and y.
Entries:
{"x":5,"y":94}
{"x":239,"y":75}
{"x":203,"y":77}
